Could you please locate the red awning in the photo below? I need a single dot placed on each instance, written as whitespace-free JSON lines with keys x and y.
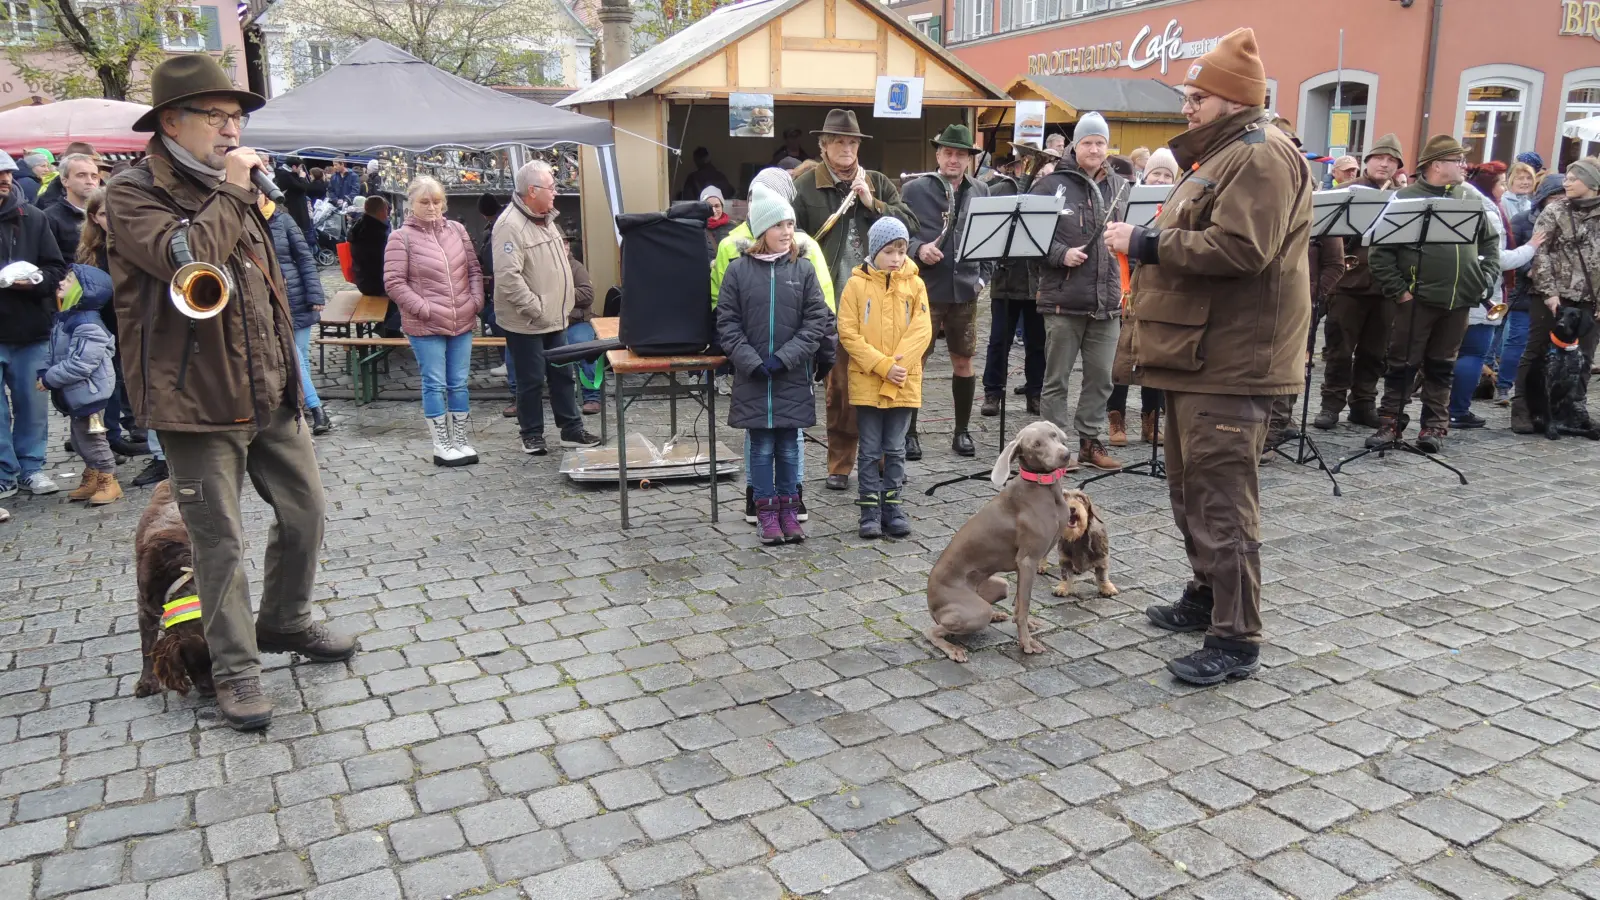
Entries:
{"x":107,"y":124}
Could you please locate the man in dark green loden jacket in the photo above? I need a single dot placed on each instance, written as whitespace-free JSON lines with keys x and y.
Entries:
{"x":1435,"y":289}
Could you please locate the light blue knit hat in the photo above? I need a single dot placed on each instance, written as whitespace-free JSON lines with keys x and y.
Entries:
{"x":766,"y":210}
{"x":884,"y":232}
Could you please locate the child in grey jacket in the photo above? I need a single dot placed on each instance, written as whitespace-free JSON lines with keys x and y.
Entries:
{"x":80,"y":377}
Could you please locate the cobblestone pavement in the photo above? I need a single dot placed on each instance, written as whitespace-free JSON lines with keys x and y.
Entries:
{"x":547,"y":707}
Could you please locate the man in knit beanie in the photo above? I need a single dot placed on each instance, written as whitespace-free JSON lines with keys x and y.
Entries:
{"x":1218,"y":318}
{"x":1079,"y":293}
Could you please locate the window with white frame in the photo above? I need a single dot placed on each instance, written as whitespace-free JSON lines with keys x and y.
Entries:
{"x":1583,"y":102}
{"x":979,"y":15}
{"x":18,"y":22}
{"x":1494,"y":122}
{"x":319,"y":57}
{"x":186,"y":29}
{"x":1029,"y":12}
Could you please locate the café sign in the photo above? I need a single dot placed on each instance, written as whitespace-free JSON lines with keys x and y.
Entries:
{"x":1147,"y":49}
{"x":1581,"y":19}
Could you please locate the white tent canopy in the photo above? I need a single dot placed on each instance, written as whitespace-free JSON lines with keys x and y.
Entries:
{"x":1582,"y":129}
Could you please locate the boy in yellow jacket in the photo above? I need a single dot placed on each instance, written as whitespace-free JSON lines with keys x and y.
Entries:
{"x":884,"y":327}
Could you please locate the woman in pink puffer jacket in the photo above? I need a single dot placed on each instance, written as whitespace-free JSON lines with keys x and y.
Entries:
{"x":431,"y":271}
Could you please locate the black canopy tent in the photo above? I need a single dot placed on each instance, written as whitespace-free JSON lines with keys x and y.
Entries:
{"x":383,"y":97}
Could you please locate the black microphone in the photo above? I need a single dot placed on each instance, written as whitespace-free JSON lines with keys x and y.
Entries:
{"x":265,"y":184}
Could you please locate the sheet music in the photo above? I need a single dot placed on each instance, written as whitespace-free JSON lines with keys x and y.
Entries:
{"x":1011,"y":226}
{"x":1144,"y":203}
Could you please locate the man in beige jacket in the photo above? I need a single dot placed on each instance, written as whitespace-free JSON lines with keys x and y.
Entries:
{"x":533,"y":297}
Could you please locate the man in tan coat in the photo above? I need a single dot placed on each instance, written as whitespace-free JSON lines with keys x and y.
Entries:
{"x":1220,"y":310}
{"x":534,"y":294}
{"x":222,"y":392}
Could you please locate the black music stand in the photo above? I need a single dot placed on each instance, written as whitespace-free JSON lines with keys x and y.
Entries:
{"x":1415,"y":222}
{"x":1144,"y":203}
{"x":1348,"y":213}
{"x":1010,"y":226}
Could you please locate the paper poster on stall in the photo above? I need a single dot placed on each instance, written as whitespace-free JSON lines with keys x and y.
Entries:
{"x":1029,"y":126}
{"x":898,"y":98}
{"x":750,"y":115}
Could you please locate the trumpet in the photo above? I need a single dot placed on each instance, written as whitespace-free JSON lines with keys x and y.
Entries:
{"x":199,"y":290}
{"x":1496,"y":311}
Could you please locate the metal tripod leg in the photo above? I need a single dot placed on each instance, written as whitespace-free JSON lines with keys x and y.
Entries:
{"x":1154,"y":467}
{"x":976,"y":476}
{"x":1399,"y":447}
{"x":1308,"y":450}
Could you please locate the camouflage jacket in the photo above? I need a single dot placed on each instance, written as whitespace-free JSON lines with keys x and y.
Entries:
{"x":1568,"y":265}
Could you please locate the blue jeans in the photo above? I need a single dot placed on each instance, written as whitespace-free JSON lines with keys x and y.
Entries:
{"x":155,"y":446}
{"x":1469,"y":368}
{"x":444,"y":362}
{"x":24,"y":419}
{"x":800,"y":456}
{"x":774,"y":462}
{"x":588,"y":373}
{"x":882,"y":436}
{"x":1516,"y":339}
{"x":302,"y":346}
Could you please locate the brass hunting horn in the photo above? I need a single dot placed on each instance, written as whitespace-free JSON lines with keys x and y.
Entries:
{"x":199,"y":290}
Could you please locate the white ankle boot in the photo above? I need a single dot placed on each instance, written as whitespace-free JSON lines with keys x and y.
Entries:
{"x":459,"y":423}
{"x":444,"y":450}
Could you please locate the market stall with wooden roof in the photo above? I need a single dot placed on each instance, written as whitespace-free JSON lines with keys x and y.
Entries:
{"x":1142,"y":112}
{"x":809,"y":55}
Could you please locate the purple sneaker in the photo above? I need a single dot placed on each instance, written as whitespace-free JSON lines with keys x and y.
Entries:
{"x":767,"y":521}
{"x":789,"y":519}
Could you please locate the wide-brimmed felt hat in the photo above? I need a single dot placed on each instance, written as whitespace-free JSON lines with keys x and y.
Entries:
{"x":1028,"y":148}
{"x":1440,"y":146}
{"x":841,"y":122}
{"x":956,"y":137}
{"x":189,"y":76}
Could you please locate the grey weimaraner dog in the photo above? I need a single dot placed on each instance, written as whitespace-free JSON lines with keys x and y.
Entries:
{"x":1012,"y":533}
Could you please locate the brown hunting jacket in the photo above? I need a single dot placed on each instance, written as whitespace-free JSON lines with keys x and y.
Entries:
{"x":1222,"y":297}
{"x":225,"y":373}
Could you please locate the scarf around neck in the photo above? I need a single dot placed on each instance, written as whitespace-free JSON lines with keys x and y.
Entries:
{"x":191,"y":162}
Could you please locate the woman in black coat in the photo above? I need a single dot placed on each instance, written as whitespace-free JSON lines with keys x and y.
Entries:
{"x":771,"y":320}
{"x":304,"y":286}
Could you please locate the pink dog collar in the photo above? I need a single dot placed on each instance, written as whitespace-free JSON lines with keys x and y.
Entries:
{"x":1042,"y":477}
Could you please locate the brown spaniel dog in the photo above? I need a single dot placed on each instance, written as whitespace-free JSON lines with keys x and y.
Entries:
{"x":170,"y":633}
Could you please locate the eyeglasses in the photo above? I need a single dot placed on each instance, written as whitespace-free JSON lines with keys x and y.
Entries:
{"x":216,"y":118}
{"x":1456,"y":161}
{"x":542,"y":187}
{"x":1195,"y":100}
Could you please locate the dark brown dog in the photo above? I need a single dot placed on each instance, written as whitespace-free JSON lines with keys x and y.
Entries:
{"x":1011,"y":533}
{"x":175,"y":658}
{"x":1083,"y":547}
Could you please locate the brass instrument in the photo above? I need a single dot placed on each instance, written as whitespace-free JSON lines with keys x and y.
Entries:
{"x":833,"y":220}
{"x":1496,"y":311}
{"x":199,"y":290}
{"x":97,"y":425}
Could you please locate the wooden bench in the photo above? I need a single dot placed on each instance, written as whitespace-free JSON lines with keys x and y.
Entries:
{"x":364,"y":365}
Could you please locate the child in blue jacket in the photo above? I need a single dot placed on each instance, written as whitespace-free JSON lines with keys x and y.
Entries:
{"x":81,"y":377}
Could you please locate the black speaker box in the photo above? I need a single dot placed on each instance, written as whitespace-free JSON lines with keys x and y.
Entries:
{"x":666,"y":282}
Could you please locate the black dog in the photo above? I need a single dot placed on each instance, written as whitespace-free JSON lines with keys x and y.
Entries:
{"x":1561,"y":403}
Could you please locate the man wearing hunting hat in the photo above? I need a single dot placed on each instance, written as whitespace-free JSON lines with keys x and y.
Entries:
{"x":819,"y":195}
{"x":1434,"y":290}
{"x":940,"y":201}
{"x":1359,"y":316}
{"x":223,"y":393}
{"x":1219,"y":314}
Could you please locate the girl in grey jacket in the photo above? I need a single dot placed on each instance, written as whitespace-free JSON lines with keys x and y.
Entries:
{"x":771,"y":319}
{"x":81,"y":377}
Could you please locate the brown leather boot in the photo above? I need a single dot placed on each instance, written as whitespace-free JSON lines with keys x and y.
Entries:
{"x":1093,"y":453}
{"x":1119,"y":431}
{"x":243,"y":705}
{"x":316,"y":643}
{"x":109,"y":490}
{"x":1149,"y":427}
{"x":87,"y":485}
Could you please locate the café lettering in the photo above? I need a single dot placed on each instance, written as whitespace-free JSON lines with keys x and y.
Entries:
{"x":1147,"y":49}
{"x":1580,"y":18}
